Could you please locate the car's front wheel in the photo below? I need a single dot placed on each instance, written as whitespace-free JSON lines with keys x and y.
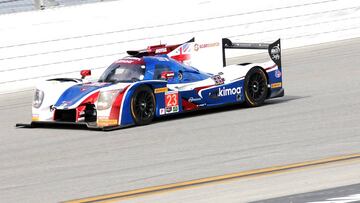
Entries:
{"x":143,"y":105}
{"x":256,"y":88}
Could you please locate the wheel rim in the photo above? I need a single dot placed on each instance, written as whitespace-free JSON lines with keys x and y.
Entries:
{"x":257,"y":86}
{"x":144,"y":105}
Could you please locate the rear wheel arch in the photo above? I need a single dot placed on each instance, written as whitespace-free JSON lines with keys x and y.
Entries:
{"x":267,"y":79}
{"x":254,"y":98}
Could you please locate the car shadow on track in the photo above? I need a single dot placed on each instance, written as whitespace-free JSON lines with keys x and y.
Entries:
{"x":284,"y":99}
{"x":225,"y":108}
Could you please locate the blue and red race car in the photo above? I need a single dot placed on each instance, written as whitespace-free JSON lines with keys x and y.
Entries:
{"x":159,"y":81}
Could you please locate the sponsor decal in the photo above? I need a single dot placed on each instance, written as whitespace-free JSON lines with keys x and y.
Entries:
{"x":201,"y":46}
{"x":238,"y":97}
{"x":130,"y":60}
{"x":172,"y":109}
{"x":196,"y":47}
{"x":162,"y":111}
{"x":276,"y":85}
{"x":214,"y":94}
{"x":168,"y":109}
{"x":192,"y":99}
{"x":65,"y":104}
{"x":275,"y":52}
{"x":218,"y":79}
{"x":161,"y":50}
{"x":171,"y":102}
{"x":160,"y":90}
{"x":35,"y":117}
{"x":93,"y":84}
{"x":167,"y":75}
{"x":105,"y":121}
{"x":277,"y":73}
{"x":229,"y":91}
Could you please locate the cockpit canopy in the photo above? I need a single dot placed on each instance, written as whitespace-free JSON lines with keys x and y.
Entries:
{"x":118,"y":72}
{"x":133,"y":69}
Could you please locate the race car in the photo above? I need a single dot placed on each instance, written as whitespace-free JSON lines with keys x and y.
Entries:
{"x":159,"y":81}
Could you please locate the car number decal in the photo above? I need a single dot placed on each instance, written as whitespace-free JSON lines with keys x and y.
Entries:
{"x":171,"y":102}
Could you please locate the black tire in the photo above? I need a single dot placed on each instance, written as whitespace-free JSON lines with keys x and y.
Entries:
{"x":256,"y":87}
{"x":143,"y":105}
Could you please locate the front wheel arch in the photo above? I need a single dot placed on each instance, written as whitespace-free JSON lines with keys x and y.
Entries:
{"x":143,"y":105}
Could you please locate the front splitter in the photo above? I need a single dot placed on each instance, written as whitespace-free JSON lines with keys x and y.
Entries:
{"x":71,"y":125}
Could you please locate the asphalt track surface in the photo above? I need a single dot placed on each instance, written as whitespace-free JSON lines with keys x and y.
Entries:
{"x":305,"y":183}
{"x":319,"y":117}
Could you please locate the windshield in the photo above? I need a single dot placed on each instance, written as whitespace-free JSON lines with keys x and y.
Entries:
{"x":119,"y":72}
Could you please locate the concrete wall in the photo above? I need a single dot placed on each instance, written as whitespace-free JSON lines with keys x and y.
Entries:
{"x":60,"y":42}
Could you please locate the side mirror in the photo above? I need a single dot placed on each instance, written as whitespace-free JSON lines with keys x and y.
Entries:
{"x":85,"y":73}
{"x":167,"y":75}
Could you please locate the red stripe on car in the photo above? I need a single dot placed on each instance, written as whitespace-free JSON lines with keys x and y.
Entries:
{"x":90,"y":99}
{"x":115,"y":108}
{"x":268,"y":68}
{"x":187,"y":106}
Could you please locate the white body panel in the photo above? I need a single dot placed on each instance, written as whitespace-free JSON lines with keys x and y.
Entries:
{"x":204,"y":54}
{"x":104,"y":114}
{"x":230,"y":73}
{"x":52,"y":91}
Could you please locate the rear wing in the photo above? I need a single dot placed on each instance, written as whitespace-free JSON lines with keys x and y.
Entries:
{"x":274,"y":49}
{"x":207,"y":54}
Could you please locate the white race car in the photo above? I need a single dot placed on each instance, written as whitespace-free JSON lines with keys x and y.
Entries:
{"x":159,"y":81}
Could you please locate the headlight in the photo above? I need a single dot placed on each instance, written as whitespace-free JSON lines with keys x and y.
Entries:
{"x":38,"y":98}
{"x":106,"y":99}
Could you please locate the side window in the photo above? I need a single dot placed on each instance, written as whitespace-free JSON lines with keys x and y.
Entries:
{"x":159,"y":68}
{"x":192,"y":76}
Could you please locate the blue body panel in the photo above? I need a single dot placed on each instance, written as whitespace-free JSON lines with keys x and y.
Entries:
{"x":208,"y":97}
{"x":275,"y":78}
{"x":156,"y":63}
{"x":224,"y":94}
{"x":77,"y":92}
{"x":126,"y":118}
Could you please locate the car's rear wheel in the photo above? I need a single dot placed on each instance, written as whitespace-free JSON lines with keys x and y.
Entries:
{"x":143,"y":105}
{"x":256,"y":87}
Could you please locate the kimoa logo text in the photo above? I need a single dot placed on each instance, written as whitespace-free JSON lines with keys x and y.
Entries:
{"x":229,"y":91}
